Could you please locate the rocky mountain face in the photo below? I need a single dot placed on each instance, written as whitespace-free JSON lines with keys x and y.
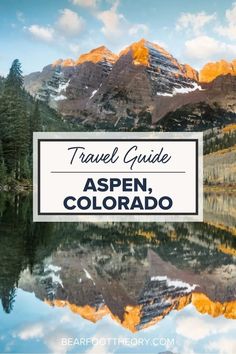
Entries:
{"x":109,"y":87}
{"x":199,"y":116}
{"x":138,"y":281}
{"x":90,"y":72}
{"x":134,"y":89}
{"x":75,"y":81}
{"x":212,"y":70}
{"x":93,"y":293}
{"x":137,"y":276}
{"x":143,"y":72}
{"x":135,"y":293}
{"x":217,"y":99}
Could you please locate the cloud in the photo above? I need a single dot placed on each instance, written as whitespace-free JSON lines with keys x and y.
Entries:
{"x":74,"y":48}
{"x":222,"y":346}
{"x":139,"y":29}
{"x":207,"y":48}
{"x":70,"y":23}
{"x":85,"y":3}
{"x":197,"y":328}
{"x":229,"y":30}
{"x":112,"y":21}
{"x":194,"y":22}
{"x":160,"y":43}
{"x":98,"y":347}
{"x":101,"y":349}
{"x":116,"y":25}
{"x":48,"y":332}
{"x":20,"y":16}
{"x":54,"y":343}
{"x":32,"y":331}
{"x":45,"y":34}
{"x":187,"y":347}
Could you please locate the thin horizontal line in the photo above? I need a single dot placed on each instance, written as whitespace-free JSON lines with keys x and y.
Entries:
{"x":118,"y":172}
{"x":118,"y":214}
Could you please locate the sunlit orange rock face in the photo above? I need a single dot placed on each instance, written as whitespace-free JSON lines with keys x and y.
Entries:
{"x":141,"y":56}
{"x":64,"y":63}
{"x":133,"y":314}
{"x":212,"y":70}
{"x":214,"y":308}
{"x":87,"y":312}
{"x":139,"y":51}
{"x":190,"y":72}
{"x":97,"y":55}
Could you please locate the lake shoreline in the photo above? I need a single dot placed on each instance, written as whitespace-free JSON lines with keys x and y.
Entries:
{"x":27,"y":186}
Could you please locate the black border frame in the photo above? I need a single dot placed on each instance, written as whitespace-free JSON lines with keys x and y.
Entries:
{"x":117,"y":214}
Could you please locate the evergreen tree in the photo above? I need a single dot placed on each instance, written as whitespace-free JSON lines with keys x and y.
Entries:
{"x":15,"y":78}
{"x":3,"y":173}
{"x":36,"y":124}
{"x":14,"y":121}
{"x":20,"y":116}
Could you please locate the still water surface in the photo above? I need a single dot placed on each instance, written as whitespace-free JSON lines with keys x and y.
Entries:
{"x":140,"y":287}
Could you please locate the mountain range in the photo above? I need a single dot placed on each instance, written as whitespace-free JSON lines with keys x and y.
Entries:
{"x":138,"y":276}
{"x":138,"y":283}
{"x":141,"y":86}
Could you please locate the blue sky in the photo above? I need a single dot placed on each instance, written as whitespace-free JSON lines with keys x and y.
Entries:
{"x":39,"y":32}
{"x":35,"y":327}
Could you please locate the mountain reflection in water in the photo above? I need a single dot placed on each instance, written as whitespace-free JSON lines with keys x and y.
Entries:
{"x":137,"y":273}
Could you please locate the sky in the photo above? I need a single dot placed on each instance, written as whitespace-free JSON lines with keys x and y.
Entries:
{"x":35,"y":327}
{"x":40,"y":32}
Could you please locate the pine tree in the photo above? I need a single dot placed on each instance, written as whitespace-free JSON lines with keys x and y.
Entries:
{"x":35,"y":123}
{"x":3,"y":172}
{"x":15,"y":78}
{"x":20,"y":116}
{"x":14,"y":121}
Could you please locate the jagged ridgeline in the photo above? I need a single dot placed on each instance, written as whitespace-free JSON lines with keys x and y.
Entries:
{"x":76,"y":264}
{"x":20,"y":116}
{"x":145,"y":88}
{"x":142,"y":88}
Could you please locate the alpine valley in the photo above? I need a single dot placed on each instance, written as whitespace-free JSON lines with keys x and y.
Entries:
{"x":144,"y":87}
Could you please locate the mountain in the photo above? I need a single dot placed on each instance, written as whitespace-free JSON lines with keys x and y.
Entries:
{"x":135,"y":89}
{"x":72,"y":80}
{"x":137,"y":289}
{"x":98,"y":55}
{"x":105,"y":86}
{"x":143,"y":72}
{"x":89,"y":73}
{"x":217,"y":99}
{"x":138,"y":277}
{"x":212,"y":70}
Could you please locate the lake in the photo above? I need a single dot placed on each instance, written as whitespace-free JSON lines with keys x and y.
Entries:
{"x":118,"y":287}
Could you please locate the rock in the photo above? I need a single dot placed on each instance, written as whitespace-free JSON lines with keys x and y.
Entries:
{"x":212,"y":70}
{"x":132,"y":90}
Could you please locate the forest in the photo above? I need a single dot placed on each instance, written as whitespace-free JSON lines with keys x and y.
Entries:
{"x":20,"y":116}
